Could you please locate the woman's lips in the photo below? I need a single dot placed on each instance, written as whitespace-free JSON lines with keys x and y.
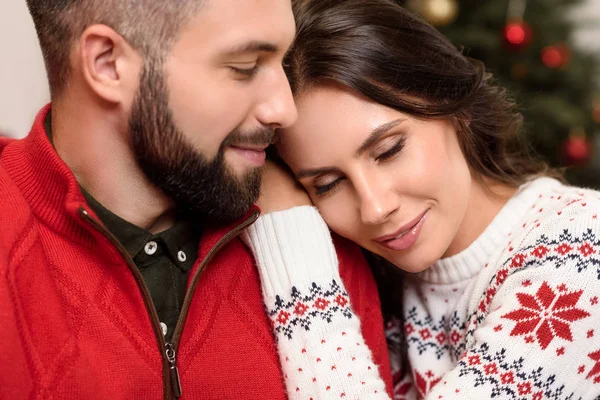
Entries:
{"x":405,"y":236}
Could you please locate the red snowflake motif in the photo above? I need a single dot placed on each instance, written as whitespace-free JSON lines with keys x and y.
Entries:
{"x":300,"y":309}
{"x":489,"y":295}
{"x":540,"y":251}
{"x":590,"y":333}
{"x":562,"y":287}
{"x":321,"y":304}
{"x":497,"y":328}
{"x":594,"y":300}
{"x":507,"y":378}
{"x":546,"y":314}
{"x":482,"y":307}
{"x":526,"y":283}
{"x":501,"y":276}
{"x":517,"y":261}
{"x":425,"y":382}
{"x":538,"y":396}
{"x":425,"y":333}
{"x":586,"y":250}
{"x":581,"y":369}
{"x":455,"y":337}
{"x":441,"y":338}
{"x":563,"y":249}
{"x":283,"y":317}
{"x":560,"y":351}
{"x":341,"y":300}
{"x":409,"y":328}
{"x":490,"y":369}
{"x":529,"y":339}
{"x":524,"y":388}
{"x":595,"y":356}
{"x":474,"y":360}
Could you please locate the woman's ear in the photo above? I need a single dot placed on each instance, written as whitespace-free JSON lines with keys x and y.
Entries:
{"x":109,"y":65}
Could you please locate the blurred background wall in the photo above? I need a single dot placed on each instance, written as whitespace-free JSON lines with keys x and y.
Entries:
{"x":23,"y":87}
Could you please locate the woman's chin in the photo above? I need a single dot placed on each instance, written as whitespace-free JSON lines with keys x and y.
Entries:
{"x":413,"y":264}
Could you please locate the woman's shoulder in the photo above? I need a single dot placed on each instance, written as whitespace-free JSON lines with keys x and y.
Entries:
{"x":556,"y":206}
{"x":561,"y":226}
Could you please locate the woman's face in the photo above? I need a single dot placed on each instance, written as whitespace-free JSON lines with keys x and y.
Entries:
{"x":395,"y":185}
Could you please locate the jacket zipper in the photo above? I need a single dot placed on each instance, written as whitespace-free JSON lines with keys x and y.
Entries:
{"x":169,"y":354}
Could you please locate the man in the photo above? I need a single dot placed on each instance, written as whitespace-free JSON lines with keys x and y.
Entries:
{"x":121,"y":271}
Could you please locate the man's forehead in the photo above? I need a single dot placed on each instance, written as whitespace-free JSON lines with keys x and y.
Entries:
{"x":242,"y":26}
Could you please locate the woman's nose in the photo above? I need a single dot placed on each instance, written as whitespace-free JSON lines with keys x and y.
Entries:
{"x":377,"y":203}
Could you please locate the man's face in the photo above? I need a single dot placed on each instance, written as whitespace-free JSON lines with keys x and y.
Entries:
{"x":201,"y":121}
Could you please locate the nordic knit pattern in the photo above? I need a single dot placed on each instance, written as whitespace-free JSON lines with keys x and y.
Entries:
{"x":321,"y":349}
{"x":514,"y":316}
{"x":517,"y":314}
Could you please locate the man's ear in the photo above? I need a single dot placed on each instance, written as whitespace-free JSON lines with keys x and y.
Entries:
{"x":109,"y":65}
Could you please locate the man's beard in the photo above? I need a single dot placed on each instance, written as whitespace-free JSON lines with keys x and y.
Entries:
{"x":199,"y":188}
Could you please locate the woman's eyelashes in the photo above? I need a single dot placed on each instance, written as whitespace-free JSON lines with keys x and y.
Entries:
{"x":396,"y":148}
{"x":388,"y":150}
{"x":322,"y":190}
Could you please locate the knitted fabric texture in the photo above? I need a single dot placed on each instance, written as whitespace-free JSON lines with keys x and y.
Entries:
{"x":517,"y":314}
{"x":75,"y":324}
{"x":321,"y":348}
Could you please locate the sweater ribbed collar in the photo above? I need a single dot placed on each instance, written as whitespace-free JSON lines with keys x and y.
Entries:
{"x":45,"y":181}
{"x":473,"y":259}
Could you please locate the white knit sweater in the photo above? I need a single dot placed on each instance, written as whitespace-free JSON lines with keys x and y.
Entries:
{"x":321,"y":349}
{"x":514,"y":316}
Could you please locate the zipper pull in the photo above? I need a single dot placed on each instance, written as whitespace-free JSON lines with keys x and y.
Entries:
{"x":174,"y":372}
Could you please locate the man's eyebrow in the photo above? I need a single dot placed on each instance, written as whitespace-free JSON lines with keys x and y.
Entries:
{"x":255,"y":46}
{"x":305,"y":173}
{"x":376,"y":134}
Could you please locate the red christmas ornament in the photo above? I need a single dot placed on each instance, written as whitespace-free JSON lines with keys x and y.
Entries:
{"x":517,"y":35}
{"x":556,"y":56}
{"x":577,"y":150}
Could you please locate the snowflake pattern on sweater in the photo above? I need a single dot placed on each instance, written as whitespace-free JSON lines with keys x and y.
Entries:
{"x":516,"y":315}
{"x":331,"y":359}
{"x":300,"y":310}
{"x":322,"y":352}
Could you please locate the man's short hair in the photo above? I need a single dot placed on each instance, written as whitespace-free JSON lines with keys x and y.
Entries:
{"x":149,"y":26}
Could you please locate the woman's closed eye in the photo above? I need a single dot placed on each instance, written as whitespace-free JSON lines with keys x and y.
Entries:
{"x":327,"y":188}
{"x":390,"y":148}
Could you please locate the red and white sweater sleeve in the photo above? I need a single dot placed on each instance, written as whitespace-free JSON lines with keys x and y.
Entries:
{"x":322,"y":352}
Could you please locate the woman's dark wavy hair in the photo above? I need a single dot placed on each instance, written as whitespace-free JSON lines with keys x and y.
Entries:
{"x":381,"y":51}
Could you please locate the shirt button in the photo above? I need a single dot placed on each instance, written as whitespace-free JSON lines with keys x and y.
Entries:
{"x":150,"y":247}
{"x":181,"y":256}
{"x":164,"y":328}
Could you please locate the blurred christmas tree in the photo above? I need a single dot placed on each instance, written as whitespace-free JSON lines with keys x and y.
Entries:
{"x":528,"y":47}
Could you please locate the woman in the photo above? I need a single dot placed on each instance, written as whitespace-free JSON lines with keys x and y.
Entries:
{"x":409,"y":149}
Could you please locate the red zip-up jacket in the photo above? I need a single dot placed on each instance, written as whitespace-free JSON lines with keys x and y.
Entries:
{"x":78,"y":322}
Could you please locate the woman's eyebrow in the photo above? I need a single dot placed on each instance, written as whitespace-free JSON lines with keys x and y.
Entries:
{"x":376,"y":134}
{"x":305,"y":173}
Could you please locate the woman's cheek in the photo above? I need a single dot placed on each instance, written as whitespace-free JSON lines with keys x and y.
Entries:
{"x":343,"y":221}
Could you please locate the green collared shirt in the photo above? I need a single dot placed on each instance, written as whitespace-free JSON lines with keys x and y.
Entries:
{"x":163,"y":259}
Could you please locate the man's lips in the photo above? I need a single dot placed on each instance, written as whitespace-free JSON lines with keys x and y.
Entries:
{"x":254,"y":154}
{"x":250,"y":147}
{"x":403,"y":229}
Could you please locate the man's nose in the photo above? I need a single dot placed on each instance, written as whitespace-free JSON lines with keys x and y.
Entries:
{"x":278,"y":109}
